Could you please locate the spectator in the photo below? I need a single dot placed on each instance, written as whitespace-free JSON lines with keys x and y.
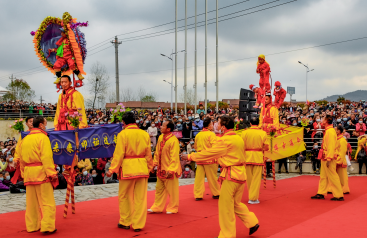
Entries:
{"x":111,"y":179}
{"x":153,"y":132}
{"x":201,"y":109}
{"x":96,"y":179}
{"x":3,"y":165}
{"x":300,"y":159}
{"x":197,"y":125}
{"x":360,"y":155}
{"x":188,"y":173}
{"x":361,"y":127}
{"x":3,"y":187}
{"x":314,"y":158}
{"x":6,"y":180}
{"x":84,"y":178}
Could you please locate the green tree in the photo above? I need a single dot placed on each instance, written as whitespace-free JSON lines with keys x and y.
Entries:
{"x":222,"y":105}
{"x":148,"y":98}
{"x":340,"y":99}
{"x":19,"y":89}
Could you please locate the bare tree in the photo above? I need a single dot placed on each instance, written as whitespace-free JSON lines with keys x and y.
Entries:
{"x":190,"y":96}
{"x":127,"y":95}
{"x":111,"y":96}
{"x":98,"y":82}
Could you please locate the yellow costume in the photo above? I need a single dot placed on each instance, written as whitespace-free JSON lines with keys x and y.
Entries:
{"x":205,"y":140}
{"x":361,"y":142}
{"x":167,"y":159}
{"x":328,"y":174}
{"x":37,"y":167}
{"x":341,"y":163}
{"x":230,"y":151}
{"x":69,"y":102}
{"x":256,"y":141}
{"x":85,"y":164}
{"x":269,"y":116}
{"x":132,"y":161}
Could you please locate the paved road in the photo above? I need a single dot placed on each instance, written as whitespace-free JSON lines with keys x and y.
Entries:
{"x":17,"y":202}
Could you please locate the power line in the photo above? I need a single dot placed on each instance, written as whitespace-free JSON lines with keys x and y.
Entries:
{"x":255,"y":57}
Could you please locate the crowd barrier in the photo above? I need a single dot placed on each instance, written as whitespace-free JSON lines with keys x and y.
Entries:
{"x":22,"y":113}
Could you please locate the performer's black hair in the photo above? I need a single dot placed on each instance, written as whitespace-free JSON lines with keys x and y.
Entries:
{"x":227,"y":121}
{"x":340,"y":128}
{"x":37,"y":121}
{"x":128,"y":118}
{"x":28,"y":118}
{"x":329,"y":119}
{"x":207,"y":121}
{"x":66,"y":76}
{"x":170,"y":125}
{"x":254,"y":121}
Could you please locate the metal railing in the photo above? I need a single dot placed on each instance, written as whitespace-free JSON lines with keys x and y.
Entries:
{"x":23,"y":113}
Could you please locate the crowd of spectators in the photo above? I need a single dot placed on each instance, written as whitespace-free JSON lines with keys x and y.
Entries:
{"x":352,"y":116}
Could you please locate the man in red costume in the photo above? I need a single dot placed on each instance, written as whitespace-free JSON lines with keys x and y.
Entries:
{"x":263,"y":68}
{"x":259,"y":95}
{"x":70,"y":101}
{"x":279,"y":94}
{"x":64,"y":56}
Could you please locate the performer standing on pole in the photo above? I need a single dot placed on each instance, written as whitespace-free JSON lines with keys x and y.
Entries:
{"x":328,"y":164}
{"x":38,"y":170}
{"x":230,"y":151}
{"x":263,"y":68}
{"x":167,"y":160}
{"x":256,"y":142}
{"x":205,"y":140}
{"x":132,"y":161}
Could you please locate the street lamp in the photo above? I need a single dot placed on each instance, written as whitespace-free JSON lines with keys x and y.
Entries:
{"x":171,"y":58}
{"x":307,"y":70}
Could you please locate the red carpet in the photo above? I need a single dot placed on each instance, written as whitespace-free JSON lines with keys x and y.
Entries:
{"x":286,"y":211}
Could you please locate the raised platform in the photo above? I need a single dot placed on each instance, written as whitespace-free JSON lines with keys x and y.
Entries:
{"x":286,"y":211}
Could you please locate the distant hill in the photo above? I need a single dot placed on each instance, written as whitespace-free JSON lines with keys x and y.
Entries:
{"x":352,"y":96}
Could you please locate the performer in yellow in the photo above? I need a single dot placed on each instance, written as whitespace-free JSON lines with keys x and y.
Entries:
{"x":17,"y":174}
{"x":38,"y":170}
{"x":256,"y":142}
{"x":269,"y":115}
{"x":204,"y":140}
{"x":341,"y":162}
{"x":230,"y":152}
{"x":167,"y":160}
{"x":132,"y":161}
{"x":328,"y":164}
{"x":70,"y":101}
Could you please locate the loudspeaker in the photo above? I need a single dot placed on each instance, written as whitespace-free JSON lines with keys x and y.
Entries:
{"x":247,"y":116}
{"x":247,"y":106}
{"x":246,"y":94}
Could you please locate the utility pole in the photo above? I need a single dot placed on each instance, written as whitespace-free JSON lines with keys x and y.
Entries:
{"x":206,"y":56}
{"x":176,"y":58}
{"x":11,"y":78}
{"x":116,"y":43}
{"x":196,"y":82}
{"x":216,"y":64}
{"x":41,"y":100}
{"x":185,"y":76}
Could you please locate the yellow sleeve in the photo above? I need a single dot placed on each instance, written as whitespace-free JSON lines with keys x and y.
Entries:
{"x":212,"y":139}
{"x":275,"y":117}
{"x":3,"y":166}
{"x":174,"y":156}
{"x":148,"y":154}
{"x":79,"y":103}
{"x":343,"y":149}
{"x":118,"y":155}
{"x":266,"y":144}
{"x":56,"y":119}
{"x":157,"y":151}
{"x":217,"y":151}
{"x":331,"y":144}
{"x":261,"y":118}
{"x":17,"y":150}
{"x":46,"y":157}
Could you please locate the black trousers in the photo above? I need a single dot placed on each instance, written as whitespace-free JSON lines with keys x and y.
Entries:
{"x":316,"y":163}
{"x":361,"y":162}
{"x":281,"y":162}
{"x":269,"y":167}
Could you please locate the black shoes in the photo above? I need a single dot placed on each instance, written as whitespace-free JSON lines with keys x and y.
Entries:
{"x":337,"y":199}
{"x":329,"y":193}
{"x":216,"y":197}
{"x":123,"y":227}
{"x":49,"y":232}
{"x":318,"y":196}
{"x":198,"y":199}
{"x":137,"y":230}
{"x":254,"y":229}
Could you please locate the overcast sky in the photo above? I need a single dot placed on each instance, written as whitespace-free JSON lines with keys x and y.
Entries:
{"x":339,"y":68}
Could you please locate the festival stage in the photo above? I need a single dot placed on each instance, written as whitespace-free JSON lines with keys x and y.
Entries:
{"x":286,"y":211}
